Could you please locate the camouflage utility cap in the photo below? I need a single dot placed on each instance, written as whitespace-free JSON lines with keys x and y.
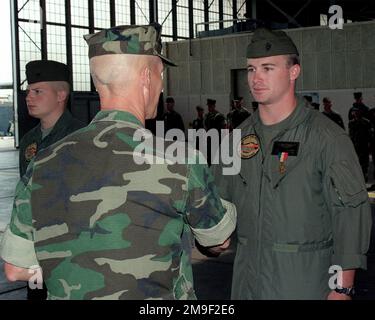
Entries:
{"x":144,"y":40}
{"x":267,"y":43}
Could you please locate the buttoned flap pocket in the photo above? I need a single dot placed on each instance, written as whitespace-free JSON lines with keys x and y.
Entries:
{"x":348,"y":184}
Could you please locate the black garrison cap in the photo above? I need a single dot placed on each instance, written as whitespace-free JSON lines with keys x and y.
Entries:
{"x":46,"y":70}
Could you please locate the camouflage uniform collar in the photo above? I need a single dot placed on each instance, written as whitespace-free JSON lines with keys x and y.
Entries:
{"x":117,"y":115}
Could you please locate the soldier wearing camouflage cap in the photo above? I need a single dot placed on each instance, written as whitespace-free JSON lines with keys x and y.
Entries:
{"x":301,"y":197}
{"x":106,"y":226}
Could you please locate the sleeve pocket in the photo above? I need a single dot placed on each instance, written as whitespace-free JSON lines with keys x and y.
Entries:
{"x":348,"y":184}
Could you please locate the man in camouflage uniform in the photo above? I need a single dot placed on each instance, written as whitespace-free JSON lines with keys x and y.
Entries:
{"x":101,"y":224}
{"x":47,"y":97}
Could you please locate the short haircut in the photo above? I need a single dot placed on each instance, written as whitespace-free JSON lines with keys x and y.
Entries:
{"x":169,"y":100}
{"x":61,"y":86}
{"x":292,"y":59}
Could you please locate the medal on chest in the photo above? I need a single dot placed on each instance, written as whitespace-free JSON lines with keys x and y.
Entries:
{"x":283,"y":156}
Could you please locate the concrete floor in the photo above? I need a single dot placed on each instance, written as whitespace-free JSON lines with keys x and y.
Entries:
{"x":212,"y":276}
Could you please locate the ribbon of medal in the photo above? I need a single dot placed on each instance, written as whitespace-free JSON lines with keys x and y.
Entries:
{"x":282,"y":160}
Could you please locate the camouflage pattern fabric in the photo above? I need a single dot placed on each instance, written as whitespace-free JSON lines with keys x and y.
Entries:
{"x":145,"y":40}
{"x":106,"y":228}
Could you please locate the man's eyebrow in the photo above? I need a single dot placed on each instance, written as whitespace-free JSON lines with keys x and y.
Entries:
{"x":262,"y":65}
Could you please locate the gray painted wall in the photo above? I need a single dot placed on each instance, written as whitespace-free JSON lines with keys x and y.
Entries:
{"x":334,"y":62}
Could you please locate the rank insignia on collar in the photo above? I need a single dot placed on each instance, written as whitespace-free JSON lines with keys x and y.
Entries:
{"x":249,"y":146}
{"x":30,"y":151}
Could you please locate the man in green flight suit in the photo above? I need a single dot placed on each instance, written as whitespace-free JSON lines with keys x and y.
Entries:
{"x":102,"y":221}
{"x":47,"y":97}
{"x":302,"y":204}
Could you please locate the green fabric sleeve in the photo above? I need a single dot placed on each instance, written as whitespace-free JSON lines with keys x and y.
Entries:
{"x":350,"y":208}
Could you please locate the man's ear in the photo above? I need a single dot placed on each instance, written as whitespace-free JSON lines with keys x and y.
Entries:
{"x":146,"y":83}
{"x":294,"y":71}
{"x":62,"y":96}
{"x":146,"y":76}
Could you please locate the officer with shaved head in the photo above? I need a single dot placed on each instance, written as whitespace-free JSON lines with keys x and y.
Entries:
{"x":99,"y":220}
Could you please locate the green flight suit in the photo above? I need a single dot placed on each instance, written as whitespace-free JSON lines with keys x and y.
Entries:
{"x":32,"y":141}
{"x":298,"y":218}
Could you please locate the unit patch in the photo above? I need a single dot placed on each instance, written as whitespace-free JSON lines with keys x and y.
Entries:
{"x":249,"y":146}
{"x":30,"y":151}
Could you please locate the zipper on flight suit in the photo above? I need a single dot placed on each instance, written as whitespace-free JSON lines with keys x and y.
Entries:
{"x":243,"y":179}
{"x":260,"y":216}
{"x":259,"y":224}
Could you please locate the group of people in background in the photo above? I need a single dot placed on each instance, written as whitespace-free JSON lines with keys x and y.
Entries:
{"x":97,"y":224}
{"x":213,"y":119}
{"x":361,"y":121}
{"x":361,"y":127}
{"x":362,"y":132}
